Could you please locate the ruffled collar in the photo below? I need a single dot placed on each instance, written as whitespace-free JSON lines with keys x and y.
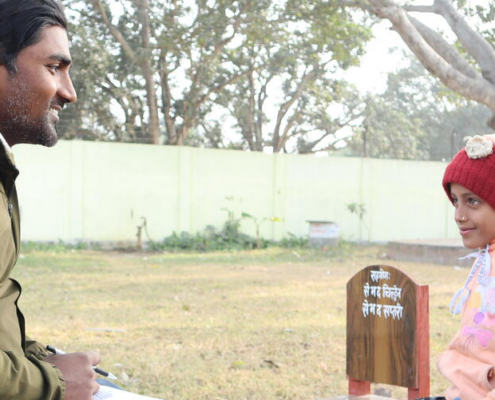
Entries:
{"x":482,"y":266}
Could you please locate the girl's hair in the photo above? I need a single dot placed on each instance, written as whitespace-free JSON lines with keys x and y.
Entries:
{"x":21,"y":25}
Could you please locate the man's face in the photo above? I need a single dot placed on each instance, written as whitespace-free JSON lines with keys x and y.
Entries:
{"x":31,"y":99}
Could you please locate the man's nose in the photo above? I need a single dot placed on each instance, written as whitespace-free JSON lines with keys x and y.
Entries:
{"x":66,"y":89}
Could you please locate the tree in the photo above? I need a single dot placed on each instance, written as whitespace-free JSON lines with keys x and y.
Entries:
{"x":168,"y":59}
{"x":416,"y":117}
{"x":299,"y":47}
{"x":100,"y":93}
{"x":387,"y":132}
{"x":445,"y":117}
{"x":466,"y":67}
{"x":165,"y":66}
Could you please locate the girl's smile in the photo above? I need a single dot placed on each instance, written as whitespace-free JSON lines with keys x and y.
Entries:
{"x":466,"y":231}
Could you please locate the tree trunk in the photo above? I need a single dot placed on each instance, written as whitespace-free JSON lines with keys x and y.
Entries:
{"x":144,"y":60}
{"x":148,"y":73}
{"x":278,"y":139}
{"x":167,"y":101}
{"x":250,"y":124}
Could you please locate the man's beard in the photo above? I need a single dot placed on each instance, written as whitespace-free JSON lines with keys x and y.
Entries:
{"x":19,"y":124}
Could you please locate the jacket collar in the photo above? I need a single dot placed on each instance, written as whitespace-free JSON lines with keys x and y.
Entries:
{"x":8,"y":170}
{"x":6,"y":156}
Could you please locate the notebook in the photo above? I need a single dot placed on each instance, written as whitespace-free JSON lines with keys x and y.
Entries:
{"x":106,"y":392}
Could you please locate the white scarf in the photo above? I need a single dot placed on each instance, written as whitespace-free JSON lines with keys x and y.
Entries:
{"x":483,"y":260}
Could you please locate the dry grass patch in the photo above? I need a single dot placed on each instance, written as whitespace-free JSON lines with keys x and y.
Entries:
{"x":251,"y":325}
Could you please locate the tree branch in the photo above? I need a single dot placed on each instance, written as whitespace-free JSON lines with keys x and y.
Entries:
{"x":206,"y":60}
{"x":423,"y":9}
{"x":356,"y":4}
{"x":262,"y":96}
{"x":218,"y":88}
{"x":113,"y":30}
{"x":470,"y":88}
{"x":320,"y":139}
{"x":289,"y":126}
{"x":331,"y":146}
{"x":235,"y":28}
{"x":287,"y":105}
{"x":473,"y":42}
{"x":444,"y":49}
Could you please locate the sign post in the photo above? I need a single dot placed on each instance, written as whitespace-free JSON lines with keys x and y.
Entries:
{"x":387,"y":332}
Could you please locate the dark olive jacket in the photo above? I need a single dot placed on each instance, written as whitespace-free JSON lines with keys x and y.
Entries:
{"x":23,"y":374}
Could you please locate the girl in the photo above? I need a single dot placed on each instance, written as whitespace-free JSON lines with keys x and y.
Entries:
{"x":469,"y":182}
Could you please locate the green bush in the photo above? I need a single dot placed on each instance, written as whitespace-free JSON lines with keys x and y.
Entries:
{"x":293,"y":241}
{"x":57,"y":247}
{"x":229,"y":238}
{"x":211,"y":239}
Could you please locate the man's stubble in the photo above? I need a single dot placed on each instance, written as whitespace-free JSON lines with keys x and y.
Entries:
{"x":19,"y":122}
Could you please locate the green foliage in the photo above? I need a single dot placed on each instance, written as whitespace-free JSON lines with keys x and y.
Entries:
{"x":228,"y":238}
{"x":258,"y":222}
{"x":211,"y":239}
{"x":57,"y":247}
{"x":293,"y":241}
{"x":301,"y":53}
{"x":203,"y":55}
{"x":357,"y":208}
{"x":387,"y":132}
{"x":416,"y":117}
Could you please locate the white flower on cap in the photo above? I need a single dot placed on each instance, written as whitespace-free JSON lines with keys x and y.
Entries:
{"x":478,"y":146}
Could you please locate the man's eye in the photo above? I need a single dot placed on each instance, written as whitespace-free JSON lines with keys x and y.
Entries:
{"x":54,"y":67}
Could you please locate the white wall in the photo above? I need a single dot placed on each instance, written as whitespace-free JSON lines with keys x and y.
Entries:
{"x":98,"y":192}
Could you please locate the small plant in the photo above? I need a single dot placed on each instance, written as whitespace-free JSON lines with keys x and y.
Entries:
{"x":293,"y":241}
{"x":231,"y":227}
{"x":58,"y":247}
{"x":258,"y":223}
{"x":360,"y":210}
{"x":357,"y":208}
{"x":139,"y":234}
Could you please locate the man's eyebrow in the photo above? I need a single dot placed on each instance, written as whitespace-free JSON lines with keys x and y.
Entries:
{"x":61,"y":58}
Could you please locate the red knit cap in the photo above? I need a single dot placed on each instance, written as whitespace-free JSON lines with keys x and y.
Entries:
{"x":475,"y":174}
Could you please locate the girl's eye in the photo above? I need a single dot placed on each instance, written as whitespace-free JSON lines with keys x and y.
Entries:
{"x":454,"y":201}
{"x":473,"y":201}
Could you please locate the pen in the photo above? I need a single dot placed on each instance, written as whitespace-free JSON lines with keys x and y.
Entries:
{"x":99,"y":371}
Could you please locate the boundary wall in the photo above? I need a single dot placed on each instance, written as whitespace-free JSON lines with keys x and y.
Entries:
{"x":89,"y":191}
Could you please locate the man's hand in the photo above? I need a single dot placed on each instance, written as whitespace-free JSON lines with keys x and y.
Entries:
{"x":79,"y":377}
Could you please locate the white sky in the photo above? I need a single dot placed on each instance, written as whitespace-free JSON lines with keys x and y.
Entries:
{"x":380,"y":59}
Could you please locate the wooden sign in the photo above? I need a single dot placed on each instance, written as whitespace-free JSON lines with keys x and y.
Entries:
{"x":386,"y":312}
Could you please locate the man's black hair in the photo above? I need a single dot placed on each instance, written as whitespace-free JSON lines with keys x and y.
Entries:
{"x":21,"y":25}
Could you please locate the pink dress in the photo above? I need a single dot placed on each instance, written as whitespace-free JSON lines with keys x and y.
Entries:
{"x":469,"y":360}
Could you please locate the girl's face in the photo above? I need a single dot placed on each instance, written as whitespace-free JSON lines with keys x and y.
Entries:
{"x":474,"y":217}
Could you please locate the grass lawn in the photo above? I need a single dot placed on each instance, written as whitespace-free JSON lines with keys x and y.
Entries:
{"x":266,"y":324}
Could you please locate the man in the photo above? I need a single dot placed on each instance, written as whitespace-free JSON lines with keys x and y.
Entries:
{"x":34,"y":87}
